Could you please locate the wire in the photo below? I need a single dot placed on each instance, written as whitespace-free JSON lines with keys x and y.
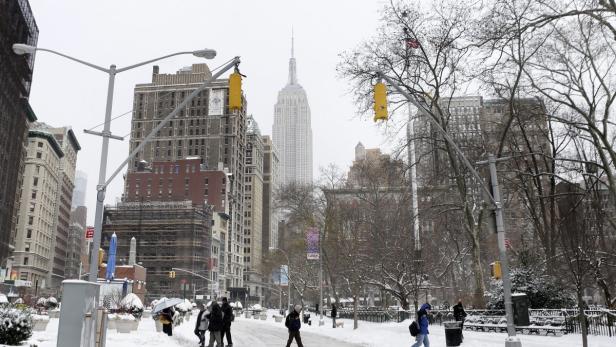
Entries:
{"x":114,"y":118}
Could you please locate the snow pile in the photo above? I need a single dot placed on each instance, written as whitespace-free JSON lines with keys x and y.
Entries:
{"x":3,"y":299}
{"x":184,"y":306}
{"x":15,"y":325}
{"x":237,"y":305}
{"x":41,"y":302}
{"x":129,"y":317}
{"x":256,"y":307}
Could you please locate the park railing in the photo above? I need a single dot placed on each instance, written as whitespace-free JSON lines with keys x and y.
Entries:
{"x":599,"y":321}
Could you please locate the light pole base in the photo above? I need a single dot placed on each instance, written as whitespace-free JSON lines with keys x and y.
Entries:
{"x":513,"y":341}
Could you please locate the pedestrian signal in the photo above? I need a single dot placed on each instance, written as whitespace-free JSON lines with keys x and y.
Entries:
{"x":495,"y":270}
{"x":380,"y":102}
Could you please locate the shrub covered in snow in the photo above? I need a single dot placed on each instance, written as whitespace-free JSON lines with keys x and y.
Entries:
{"x":132,"y":304}
{"x":15,"y":325}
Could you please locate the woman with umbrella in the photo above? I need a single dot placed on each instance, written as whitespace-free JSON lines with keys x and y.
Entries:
{"x":165,"y":307}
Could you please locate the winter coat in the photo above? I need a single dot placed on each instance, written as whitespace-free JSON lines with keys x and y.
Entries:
{"x":166,"y":316}
{"x":422,"y":319}
{"x":227,"y":314}
{"x":215,"y":319}
{"x":334,"y":311}
{"x":458,"y":312}
{"x":200,"y":316}
{"x":293,"y":323}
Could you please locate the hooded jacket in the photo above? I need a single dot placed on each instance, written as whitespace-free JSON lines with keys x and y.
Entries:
{"x":422,"y":319}
{"x":215,"y":318}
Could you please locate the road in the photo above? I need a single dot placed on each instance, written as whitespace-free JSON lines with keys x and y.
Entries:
{"x":248,"y":332}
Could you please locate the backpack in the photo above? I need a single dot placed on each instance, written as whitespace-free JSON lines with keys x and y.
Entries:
{"x":414,"y":328}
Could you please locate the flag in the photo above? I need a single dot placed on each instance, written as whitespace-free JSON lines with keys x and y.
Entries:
{"x":411,"y":42}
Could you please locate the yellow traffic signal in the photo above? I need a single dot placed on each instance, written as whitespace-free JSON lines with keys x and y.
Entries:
{"x":235,"y":91}
{"x":495,"y":270}
{"x":380,"y":102}
{"x":171,"y":274}
{"x":101,"y":255}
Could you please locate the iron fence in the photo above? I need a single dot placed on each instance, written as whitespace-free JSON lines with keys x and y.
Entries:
{"x":599,"y":321}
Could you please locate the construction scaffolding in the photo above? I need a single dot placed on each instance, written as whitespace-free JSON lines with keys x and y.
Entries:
{"x":169,"y":235}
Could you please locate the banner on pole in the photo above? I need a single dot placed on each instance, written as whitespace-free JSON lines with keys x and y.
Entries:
{"x":283,"y":275}
{"x":312,"y":243}
{"x":89,"y":233}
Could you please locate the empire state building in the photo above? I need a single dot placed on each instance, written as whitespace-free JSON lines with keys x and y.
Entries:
{"x":292,"y":132}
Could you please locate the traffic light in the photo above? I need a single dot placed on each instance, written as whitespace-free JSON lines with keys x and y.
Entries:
{"x":495,"y":270}
{"x":101,"y":255}
{"x":235,"y":90}
{"x":380,"y":102}
{"x":171,"y":274}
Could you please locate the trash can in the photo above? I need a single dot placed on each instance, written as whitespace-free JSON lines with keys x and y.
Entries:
{"x":453,"y":334}
{"x":306,"y":317}
{"x":520,"y":309}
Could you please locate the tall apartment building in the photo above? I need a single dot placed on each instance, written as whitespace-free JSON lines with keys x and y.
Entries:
{"x":37,"y":220}
{"x":67,"y":140}
{"x":76,"y":243}
{"x":270,"y":185}
{"x":292,"y":130}
{"x":207,"y":130}
{"x":17,"y":26}
{"x":253,"y":214}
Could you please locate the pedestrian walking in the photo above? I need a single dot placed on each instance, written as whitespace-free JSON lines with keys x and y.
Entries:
{"x":422,"y":320}
{"x":227,"y":318}
{"x":293,"y":323}
{"x":202,"y":324}
{"x":334,"y":314}
{"x":166,"y":318}
{"x":215,"y":326}
{"x":459,"y":315}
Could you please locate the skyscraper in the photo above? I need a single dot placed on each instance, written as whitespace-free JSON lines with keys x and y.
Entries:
{"x":16,"y":26}
{"x":292,"y":132}
{"x":79,"y":193}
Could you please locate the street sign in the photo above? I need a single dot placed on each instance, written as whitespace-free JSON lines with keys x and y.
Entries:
{"x":89,"y":233}
{"x":20,"y":283}
{"x":199,"y":297}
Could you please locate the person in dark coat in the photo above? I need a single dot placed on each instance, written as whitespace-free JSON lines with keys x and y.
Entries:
{"x":227,"y":318}
{"x":422,"y":320}
{"x":294,"y":323}
{"x":459,"y":314}
{"x":166,"y":318}
{"x":202,"y":324}
{"x":334,"y":315}
{"x":215,"y":327}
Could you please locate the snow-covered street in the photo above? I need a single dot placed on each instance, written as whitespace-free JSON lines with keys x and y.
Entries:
{"x":258,"y":333}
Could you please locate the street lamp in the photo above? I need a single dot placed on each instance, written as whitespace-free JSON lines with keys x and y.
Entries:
{"x":20,"y":48}
{"x":288,"y":275}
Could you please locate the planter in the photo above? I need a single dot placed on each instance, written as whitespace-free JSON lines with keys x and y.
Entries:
{"x":263,"y":316}
{"x":111,"y":324}
{"x":159,"y":326}
{"x":278,"y":319}
{"x":248,"y":314}
{"x":135,"y":325}
{"x":54,"y":314}
{"x":39,"y":324}
{"x":146,"y":314}
{"x":124,"y":326}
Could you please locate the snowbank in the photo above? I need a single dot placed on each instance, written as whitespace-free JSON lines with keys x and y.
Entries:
{"x":132,"y":301}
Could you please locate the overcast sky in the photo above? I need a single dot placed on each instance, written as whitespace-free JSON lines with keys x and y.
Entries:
{"x":124,"y":32}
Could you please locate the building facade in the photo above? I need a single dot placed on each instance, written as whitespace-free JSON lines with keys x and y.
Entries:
{"x":17,"y":26}
{"x":270,"y":185}
{"x":253,"y":214}
{"x":206,"y":130}
{"x":171,"y":235}
{"x":37,"y":221}
{"x":76,"y":244}
{"x":292,"y":131}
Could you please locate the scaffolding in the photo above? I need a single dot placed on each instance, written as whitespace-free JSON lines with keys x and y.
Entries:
{"x":173,"y":234}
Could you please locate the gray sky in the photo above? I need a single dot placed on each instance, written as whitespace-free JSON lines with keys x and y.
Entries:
{"x":130,"y":31}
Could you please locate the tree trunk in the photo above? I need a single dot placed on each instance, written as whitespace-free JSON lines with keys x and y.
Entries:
{"x":479,"y":300}
{"x":355,"y":323}
{"x":582,"y":317}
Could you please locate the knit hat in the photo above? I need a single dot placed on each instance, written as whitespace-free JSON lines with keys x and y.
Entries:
{"x":298,"y":308}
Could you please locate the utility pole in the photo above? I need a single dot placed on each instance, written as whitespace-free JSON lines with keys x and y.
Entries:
{"x":320,"y":280}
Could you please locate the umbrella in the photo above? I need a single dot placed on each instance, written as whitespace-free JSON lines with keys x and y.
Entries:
{"x":164,"y":303}
{"x":111,"y":258}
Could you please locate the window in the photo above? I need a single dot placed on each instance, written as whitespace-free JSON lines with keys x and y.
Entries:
{"x":39,"y":155}
{"x":35,"y":182}
{"x":34,"y":194}
{"x":29,"y":233}
{"x":26,"y":260}
{"x":30,"y":220}
{"x":38,"y":169}
{"x":27,"y":247}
